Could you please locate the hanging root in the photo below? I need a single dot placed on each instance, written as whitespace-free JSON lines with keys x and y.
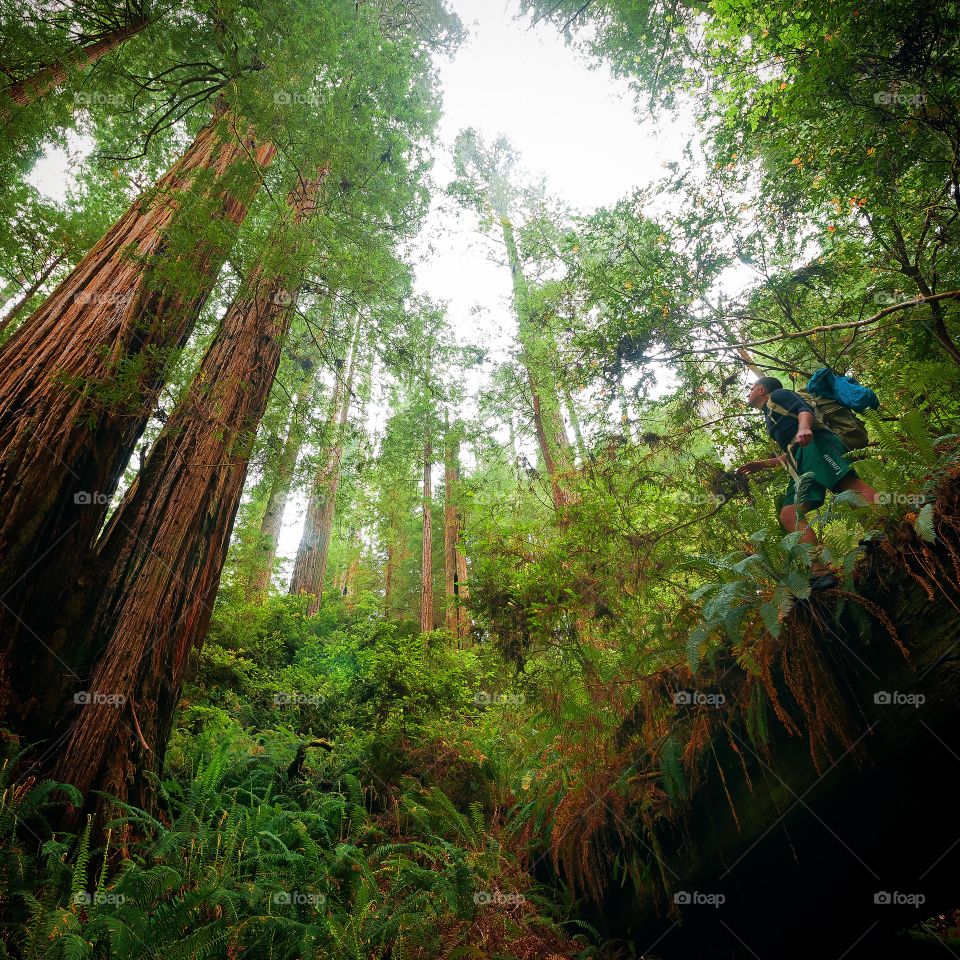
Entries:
{"x":814,"y":689}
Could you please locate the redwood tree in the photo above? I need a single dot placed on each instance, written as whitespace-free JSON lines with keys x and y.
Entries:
{"x":80,"y":378}
{"x":43,"y":81}
{"x":164,"y":549}
{"x":426,"y":560}
{"x":310,"y":566}
{"x":265,"y":549}
{"x":454,"y":561}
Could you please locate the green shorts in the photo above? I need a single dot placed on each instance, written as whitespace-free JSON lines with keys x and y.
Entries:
{"x":825,"y":458}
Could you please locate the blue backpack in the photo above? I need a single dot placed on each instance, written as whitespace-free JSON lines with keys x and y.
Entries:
{"x":835,"y":399}
{"x":845,"y":390}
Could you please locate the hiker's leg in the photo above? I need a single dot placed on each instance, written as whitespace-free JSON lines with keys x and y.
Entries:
{"x":791,"y":521}
{"x":853,"y":482}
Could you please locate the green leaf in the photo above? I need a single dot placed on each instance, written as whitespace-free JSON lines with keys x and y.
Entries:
{"x":925,"y":525}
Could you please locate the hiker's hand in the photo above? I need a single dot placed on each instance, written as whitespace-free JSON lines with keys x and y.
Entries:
{"x":803,"y":437}
{"x":752,"y":467}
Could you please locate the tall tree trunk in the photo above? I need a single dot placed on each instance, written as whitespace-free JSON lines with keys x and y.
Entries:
{"x":575,"y":423}
{"x":310,"y":567}
{"x":537,"y":353}
{"x":80,"y":378}
{"x":454,"y":563}
{"x":29,"y":292}
{"x":163,"y":551}
{"x":388,"y":577}
{"x":44,"y":81}
{"x":265,"y":553}
{"x":426,"y":562}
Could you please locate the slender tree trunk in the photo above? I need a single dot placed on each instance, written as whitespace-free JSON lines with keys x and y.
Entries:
{"x":310,"y":567}
{"x":389,"y":574}
{"x":454,"y":562}
{"x":266,"y":548}
{"x":163,"y":551}
{"x":426,"y":562}
{"x":29,"y":292}
{"x":575,"y":423}
{"x":537,"y":351}
{"x":80,"y":378}
{"x":624,"y":410}
{"x":44,"y":81}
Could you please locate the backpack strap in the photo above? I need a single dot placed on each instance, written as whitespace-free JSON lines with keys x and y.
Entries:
{"x":818,"y":423}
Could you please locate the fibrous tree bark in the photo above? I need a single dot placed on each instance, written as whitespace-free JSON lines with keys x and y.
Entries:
{"x":310,"y":567}
{"x":80,"y":378}
{"x":163,"y":551}
{"x":265,"y":550}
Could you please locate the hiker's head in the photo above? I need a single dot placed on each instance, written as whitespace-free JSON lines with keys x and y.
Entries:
{"x":762,"y":389}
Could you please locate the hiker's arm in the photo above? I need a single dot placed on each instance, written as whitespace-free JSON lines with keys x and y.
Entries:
{"x":756,"y":465}
{"x":805,"y":430}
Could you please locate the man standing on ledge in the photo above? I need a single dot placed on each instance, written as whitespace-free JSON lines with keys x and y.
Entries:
{"x":807,"y":448}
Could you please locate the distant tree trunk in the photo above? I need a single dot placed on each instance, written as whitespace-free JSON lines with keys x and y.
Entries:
{"x":352,"y":567}
{"x":80,"y":378}
{"x":537,"y":353}
{"x":265,"y":551}
{"x":426,"y":562}
{"x":454,"y":562}
{"x":389,"y":574}
{"x":310,"y":567}
{"x":575,"y":423}
{"x":44,"y":81}
{"x":29,"y":292}
{"x":163,"y":551}
{"x":624,"y":410}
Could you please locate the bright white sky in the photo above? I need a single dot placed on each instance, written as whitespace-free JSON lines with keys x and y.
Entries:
{"x":573,"y":124}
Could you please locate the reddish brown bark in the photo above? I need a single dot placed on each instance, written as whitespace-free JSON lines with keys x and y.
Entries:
{"x":44,"y":81}
{"x":81,"y":376}
{"x":164,"y":549}
{"x":310,"y":566}
{"x":454,"y":562}
{"x":426,"y":562}
{"x":266,"y":547}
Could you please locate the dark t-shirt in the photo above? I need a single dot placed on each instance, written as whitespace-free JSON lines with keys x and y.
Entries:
{"x":781,"y":427}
